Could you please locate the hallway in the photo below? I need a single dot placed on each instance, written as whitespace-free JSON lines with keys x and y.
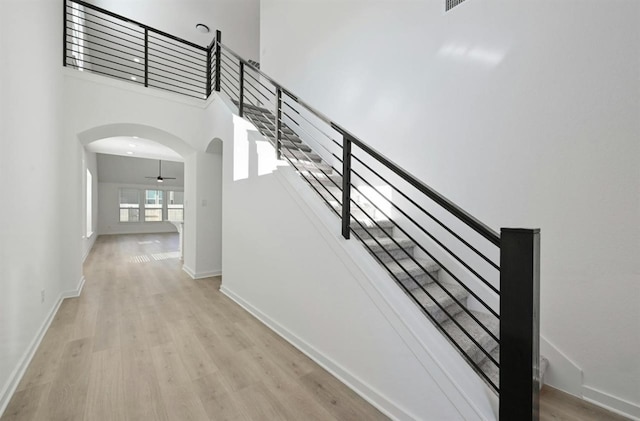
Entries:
{"x":146,"y":342}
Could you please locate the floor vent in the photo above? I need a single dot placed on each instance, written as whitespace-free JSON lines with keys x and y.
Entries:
{"x":452,"y":3}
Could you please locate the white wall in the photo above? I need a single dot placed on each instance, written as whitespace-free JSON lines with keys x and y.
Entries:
{"x":524,"y":113}
{"x":36,"y":237}
{"x":239,"y":20}
{"x":131,"y":170}
{"x":285,"y":261}
{"x":90,"y":162}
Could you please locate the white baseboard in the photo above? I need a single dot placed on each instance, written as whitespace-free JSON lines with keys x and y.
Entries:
{"x":562,"y":372}
{"x":16,"y":376}
{"x":368,"y":393}
{"x":200,"y":275}
{"x":612,"y":403}
{"x":92,"y":241}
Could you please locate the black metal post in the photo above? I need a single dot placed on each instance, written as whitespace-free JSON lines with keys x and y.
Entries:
{"x":278,"y":123}
{"x":519,"y":324}
{"x":208,"y":83}
{"x":346,"y":187}
{"x":218,"y":58}
{"x":146,"y":57}
{"x":241,"y":97}
{"x":64,"y":33}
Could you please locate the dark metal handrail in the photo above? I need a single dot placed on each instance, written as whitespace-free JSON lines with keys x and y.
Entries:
{"x":142,"y":25}
{"x":447,"y":204}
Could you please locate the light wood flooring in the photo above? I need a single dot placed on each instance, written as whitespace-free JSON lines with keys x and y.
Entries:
{"x":146,"y":342}
{"x":556,"y":405}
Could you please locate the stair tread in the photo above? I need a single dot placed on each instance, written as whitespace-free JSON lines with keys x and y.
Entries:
{"x":438,"y":293}
{"x":410,"y":266}
{"x":380,"y":223}
{"x":389,"y":243}
{"x":477,"y":332}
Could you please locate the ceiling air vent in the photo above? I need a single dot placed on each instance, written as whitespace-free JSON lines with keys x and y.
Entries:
{"x":452,"y":3}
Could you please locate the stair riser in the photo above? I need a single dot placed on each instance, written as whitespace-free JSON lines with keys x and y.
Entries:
{"x":478,"y":356}
{"x":271,"y":126}
{"x":372,"y":232}
{"x":308,"y":166}
{"x":452,"y":309}
{"x":422,"y":278}
{"x":296,"y":146}
{"x":398,"y":254}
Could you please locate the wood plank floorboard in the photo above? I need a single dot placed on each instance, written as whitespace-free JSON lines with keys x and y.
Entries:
{"x":146,"y":342}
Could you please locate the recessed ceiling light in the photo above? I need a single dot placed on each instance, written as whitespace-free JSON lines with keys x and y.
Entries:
{"x":133,"y":145}
{"x":136,"y":59}
{"x":201,"y":27}
{"x":135,"y":137}
{"x":134,"y":78}
{"x":129,"y":153}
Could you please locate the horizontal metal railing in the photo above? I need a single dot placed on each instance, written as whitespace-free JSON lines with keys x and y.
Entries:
{"x":406,"y":225}
{"x":100,"y":41}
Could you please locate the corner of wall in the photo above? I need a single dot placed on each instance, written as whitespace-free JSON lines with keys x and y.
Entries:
{"x":564,"y":374}
{"x":6,"y":393}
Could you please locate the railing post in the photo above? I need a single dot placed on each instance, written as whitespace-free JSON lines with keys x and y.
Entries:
{"x":241,"y":94}
{"x":218,"y":58}
{"x":64,"y":33}
{"x":346,"y":187}
{"x":146,"y":57}
{"x":519,"y":324}
{"x":208,"y":83}
{"x":278,"y":123}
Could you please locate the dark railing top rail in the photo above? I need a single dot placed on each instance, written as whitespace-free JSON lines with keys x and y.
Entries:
{"x":142,"y":25}
{"x":454,"y":209}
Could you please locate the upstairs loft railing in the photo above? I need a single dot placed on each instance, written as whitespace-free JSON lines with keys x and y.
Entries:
{"x":499,"y":273}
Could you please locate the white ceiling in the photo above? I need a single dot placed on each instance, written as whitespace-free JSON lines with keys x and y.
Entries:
{"x":134,"y":148}
{"x":118,"y":169}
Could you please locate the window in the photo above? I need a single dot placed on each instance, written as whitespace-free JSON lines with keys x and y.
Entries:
{"x":129,"y":205}
{"x":153,"y":205}
{"x":89,"y":204}
{"x":175,"y":206}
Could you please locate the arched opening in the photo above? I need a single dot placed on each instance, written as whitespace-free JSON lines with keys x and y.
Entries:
{"x":147,"y":180}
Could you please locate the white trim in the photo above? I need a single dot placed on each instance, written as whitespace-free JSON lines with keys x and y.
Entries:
{"x":16,"y":376}
{"x":200,"y":275}
{"x":463,"y":387}
{"x":91,"y":240}
{"x":562,"y":373}
{"x":611,"y":403}
{"x":565,"y":375}
{"x":133,"y":87}
{"x":367,"y":392}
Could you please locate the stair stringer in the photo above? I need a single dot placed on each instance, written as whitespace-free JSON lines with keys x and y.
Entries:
{"x":444,"y":380}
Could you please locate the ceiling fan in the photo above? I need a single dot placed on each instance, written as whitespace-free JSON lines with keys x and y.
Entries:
{"x":160,"y":178}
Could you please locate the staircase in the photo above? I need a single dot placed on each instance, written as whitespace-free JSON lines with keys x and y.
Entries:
{"x":500,"y":344}
{"x":444,"y":303}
